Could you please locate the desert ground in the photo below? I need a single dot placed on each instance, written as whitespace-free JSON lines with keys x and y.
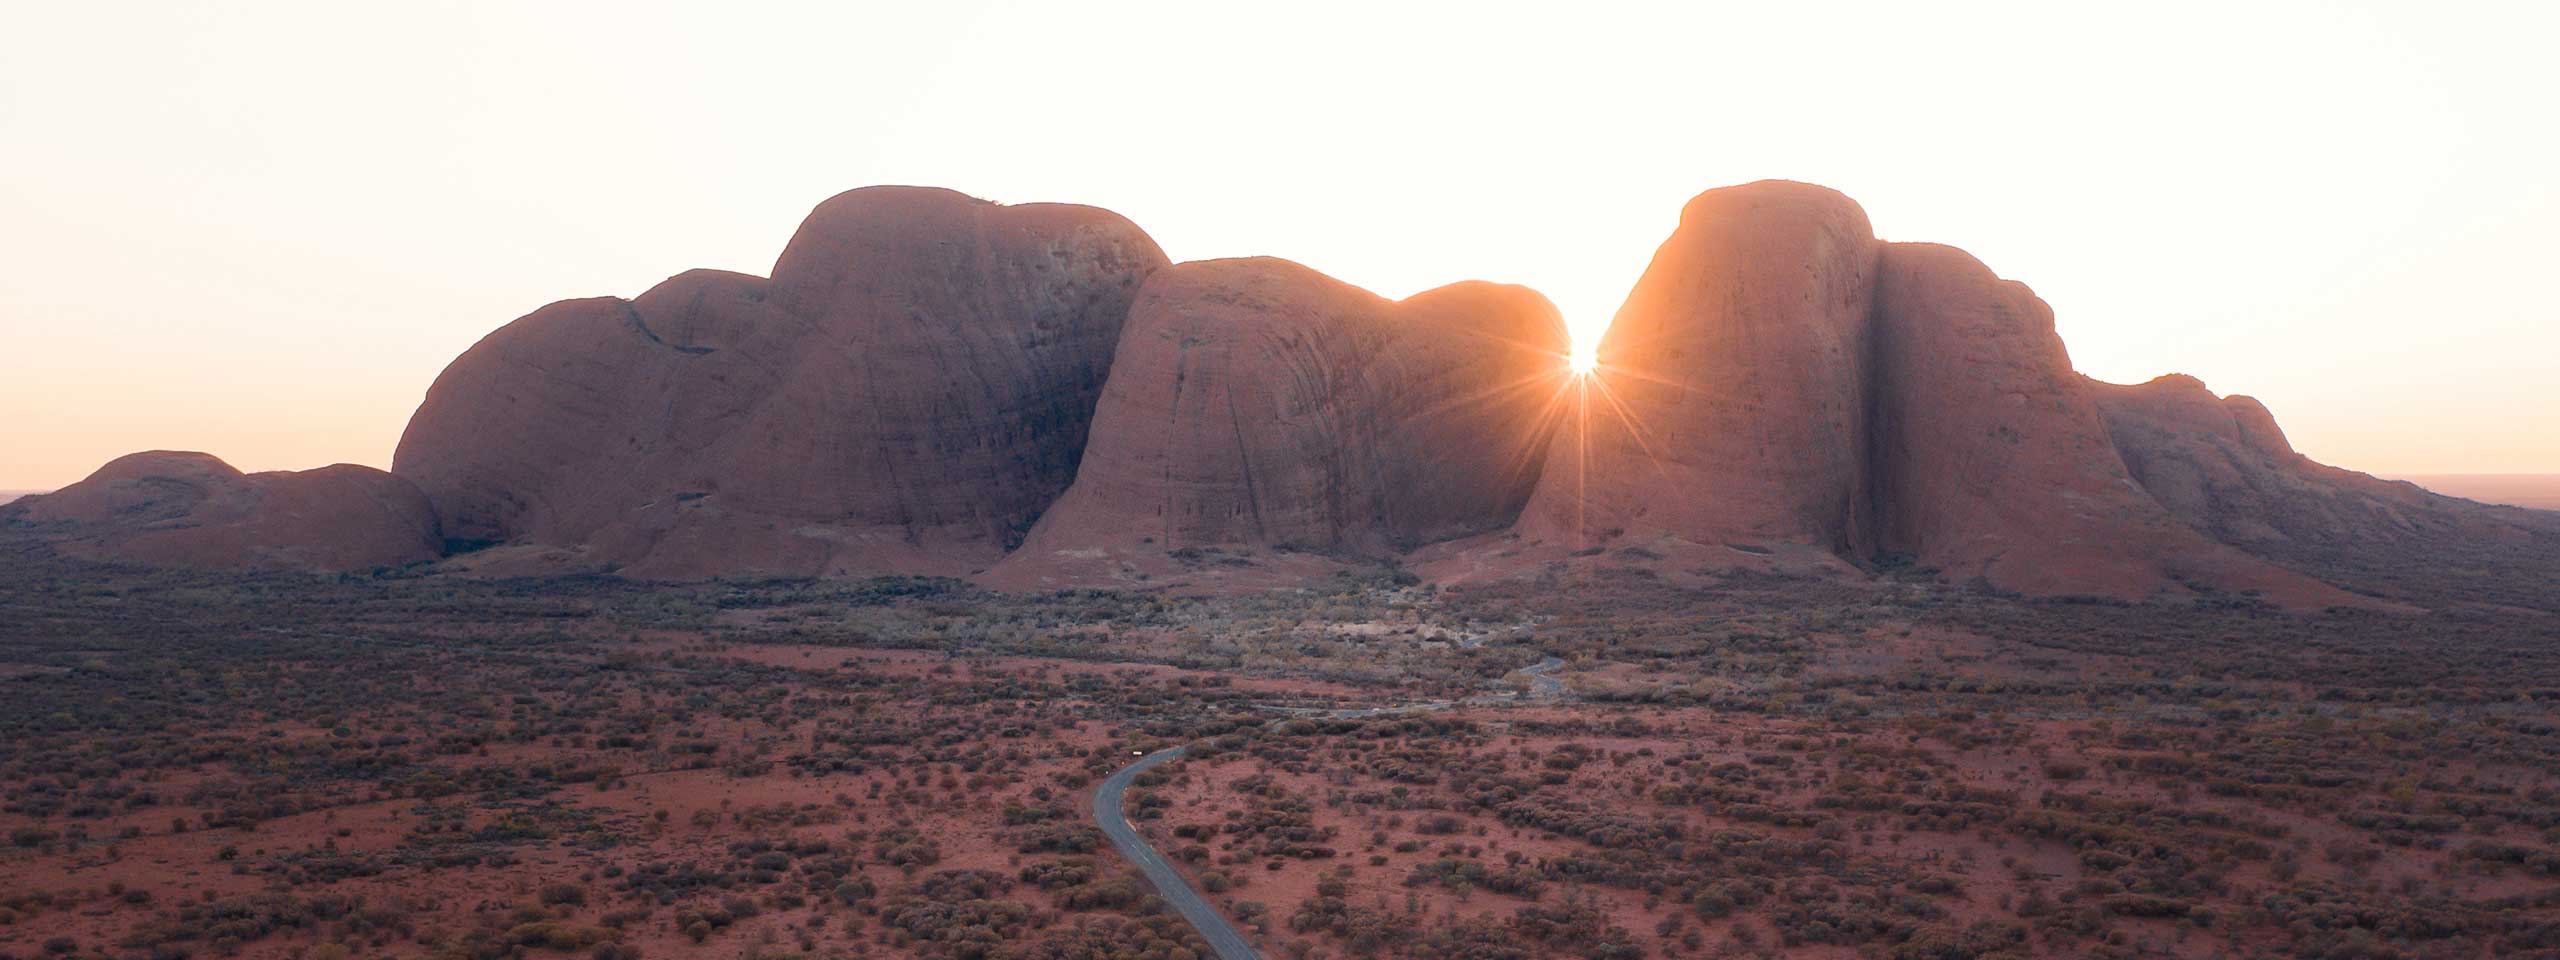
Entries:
{"x":1745,"y":766}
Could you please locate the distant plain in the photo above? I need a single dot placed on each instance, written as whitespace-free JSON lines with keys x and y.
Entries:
{"x":2537,"y":490}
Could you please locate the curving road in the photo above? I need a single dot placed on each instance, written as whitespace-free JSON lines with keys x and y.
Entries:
{"x":1224,"y":940}
{"x":1222,"y":936}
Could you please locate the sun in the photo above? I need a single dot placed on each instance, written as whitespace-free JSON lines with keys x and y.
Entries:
{"x":1583,"y":360}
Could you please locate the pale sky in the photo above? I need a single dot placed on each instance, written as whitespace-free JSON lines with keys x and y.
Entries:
{"x":260,"y":229}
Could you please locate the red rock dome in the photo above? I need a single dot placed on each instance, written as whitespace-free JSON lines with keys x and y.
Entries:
{"x":166,"y":508}
{"x":1258,"y":403}
{"x":907,"y":394}
{"x":1735,"y":374}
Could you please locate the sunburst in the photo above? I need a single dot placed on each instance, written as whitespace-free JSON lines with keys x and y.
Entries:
{"x":1584,"y":360}
{"x":1579,"y":396}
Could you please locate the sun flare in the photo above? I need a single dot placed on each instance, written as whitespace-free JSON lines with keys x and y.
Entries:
{"x":1583,"y":360}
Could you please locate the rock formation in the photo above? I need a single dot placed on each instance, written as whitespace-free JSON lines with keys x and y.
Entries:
{"x":165,"y":508}
{"x":1731,"y":406}
{"x":929,"y":379}
{"x":1258,"y":403}
{"x":2222,"y":466}
{"x":907,"y":394}
{"x":1780,"y":380}
{"x":1992,"y":461}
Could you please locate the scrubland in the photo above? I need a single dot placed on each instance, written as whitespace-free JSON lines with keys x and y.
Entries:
{"x":413,"y":766}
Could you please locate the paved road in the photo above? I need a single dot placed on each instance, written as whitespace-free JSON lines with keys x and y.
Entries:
{"x":1222,"y":936}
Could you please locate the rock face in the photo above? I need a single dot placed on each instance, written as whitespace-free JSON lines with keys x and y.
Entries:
{"x":1779,"y":380}
{"x":909,"y":391}
{"x":1991,"y":459}
{"x":1258,"y":403}
{"x":2223,"y":467}
{"x":929,"y":379}
{"x":1731,"y":408}
{"x":165,"y":508}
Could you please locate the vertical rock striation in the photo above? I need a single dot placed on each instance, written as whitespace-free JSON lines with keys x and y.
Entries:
{"x":907,"y":394}
{"x":1258,"y":403}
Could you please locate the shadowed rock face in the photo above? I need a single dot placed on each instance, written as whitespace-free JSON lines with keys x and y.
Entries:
{"x":1734,"y":408}
{"x":907,"y":394}
{"x":1991,"y":460}
{"x":166,"y":508}
{"x":2223,"y":467}
{"x":1256,"y":402}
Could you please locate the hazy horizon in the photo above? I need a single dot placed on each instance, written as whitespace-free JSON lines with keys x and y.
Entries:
{"x":262,"y":233}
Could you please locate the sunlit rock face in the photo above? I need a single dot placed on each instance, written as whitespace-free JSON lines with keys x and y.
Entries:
{"x":1258,"y":403}
{"x":907,"y":394}
{"x":167,"y":508}
{"x":1780,"y":379}
{"x":1731,"y":406}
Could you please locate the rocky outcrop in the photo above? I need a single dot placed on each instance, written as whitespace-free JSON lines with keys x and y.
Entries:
{"x":2223,"y":467}
{"x":165,"y":508}
{"x":1731,"y":404}
{"x":906,"y":394}
{"x":1780,"y":383}
{"x":1991,"y":460}
{"x":1256,"y":403}
{"x":928,"y":380}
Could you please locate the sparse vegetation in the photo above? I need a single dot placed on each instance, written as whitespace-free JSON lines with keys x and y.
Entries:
{"x":316,"y":767}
